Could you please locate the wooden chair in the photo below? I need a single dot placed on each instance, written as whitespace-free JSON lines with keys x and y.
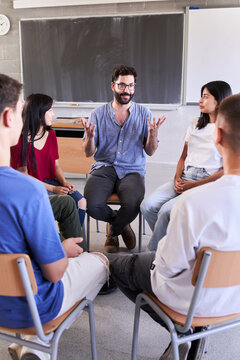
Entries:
{"x":213,"y":269}
{"x":114,"y":200}
{"x":18,"y":279}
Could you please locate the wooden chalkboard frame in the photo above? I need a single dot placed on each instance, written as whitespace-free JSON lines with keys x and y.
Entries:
{"x":156,"y":54}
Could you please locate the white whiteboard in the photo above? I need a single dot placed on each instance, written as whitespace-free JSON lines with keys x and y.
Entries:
{"x":213,"y":49}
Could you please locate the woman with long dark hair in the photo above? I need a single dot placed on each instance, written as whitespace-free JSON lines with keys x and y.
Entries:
{"x":199,"y":163}
{"x":36,"y":153}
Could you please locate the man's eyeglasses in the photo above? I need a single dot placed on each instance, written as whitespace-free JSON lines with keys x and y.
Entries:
{"x":122,"y":86}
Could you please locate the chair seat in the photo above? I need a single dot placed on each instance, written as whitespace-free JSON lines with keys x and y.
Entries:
{"x":48,"y":327}
{"x":113,"y":199}
{"x":197,"y":321}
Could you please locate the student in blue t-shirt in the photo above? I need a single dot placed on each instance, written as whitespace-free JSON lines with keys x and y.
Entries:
{"x":119,"y":134}
{"x":64,"y":274}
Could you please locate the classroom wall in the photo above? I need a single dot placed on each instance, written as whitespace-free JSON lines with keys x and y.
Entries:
{"x":171,"y":134}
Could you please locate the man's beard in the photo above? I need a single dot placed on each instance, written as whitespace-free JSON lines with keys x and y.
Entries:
{"x":120,"y":100}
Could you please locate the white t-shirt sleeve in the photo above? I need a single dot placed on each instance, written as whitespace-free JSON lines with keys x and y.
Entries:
{"x":190,"y":129}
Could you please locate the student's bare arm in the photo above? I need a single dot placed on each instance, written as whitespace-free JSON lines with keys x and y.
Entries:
{"x":178,"y":183}
{"x":54,"y":272}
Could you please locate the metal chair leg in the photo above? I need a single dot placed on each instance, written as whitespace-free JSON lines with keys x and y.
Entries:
{"x":144,"y":226}
{"x":136,"y":328}
{"x":92,"y":330}
{"x":97,"y":226}
{"x":88,"y":233}
{"x":83,"y":231}
{"x":140,"y":232}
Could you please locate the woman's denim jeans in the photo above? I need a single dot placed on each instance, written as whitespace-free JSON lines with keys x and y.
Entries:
{"x":156,"y":208}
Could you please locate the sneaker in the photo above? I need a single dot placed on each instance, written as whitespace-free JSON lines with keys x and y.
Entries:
{"x":30,"y":356}
{"x":14,"y":351}
{"x":129,"y":237}
{"x":19,"y":352}
{"x":109,"y":287}
{"x":202,"y":349}
{"x":183,"y":352}
{"x":112,"y":243}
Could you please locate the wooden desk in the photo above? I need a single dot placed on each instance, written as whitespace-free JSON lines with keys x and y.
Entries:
{"x":71,"y":127}
{"x":70,"y":146}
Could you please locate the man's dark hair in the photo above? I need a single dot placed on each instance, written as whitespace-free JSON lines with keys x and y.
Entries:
{"x":10,"y":90}
{"x":229,"y":109}
{"x":123,"y":70}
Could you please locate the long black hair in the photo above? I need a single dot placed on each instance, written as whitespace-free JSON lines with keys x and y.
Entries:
{"x":219,"y":89}
{"x":34,"y":110}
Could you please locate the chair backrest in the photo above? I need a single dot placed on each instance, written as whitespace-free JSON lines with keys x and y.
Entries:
{"x":10,"y":279}
{"x":213,"y":269}
{"x":223,"y":269}
{"x":72,"y":157}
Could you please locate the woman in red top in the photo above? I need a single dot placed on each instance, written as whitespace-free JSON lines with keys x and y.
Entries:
{"x":36,"y":153}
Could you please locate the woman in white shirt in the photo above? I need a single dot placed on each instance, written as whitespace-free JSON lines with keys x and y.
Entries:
{"x":199,"y":163}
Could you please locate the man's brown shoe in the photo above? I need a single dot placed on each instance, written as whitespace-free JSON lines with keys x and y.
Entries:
{"x":112,"y":243}
{"x":129,"y":237}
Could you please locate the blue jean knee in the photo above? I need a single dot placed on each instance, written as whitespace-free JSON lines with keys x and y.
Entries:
{"x":76,"y":195}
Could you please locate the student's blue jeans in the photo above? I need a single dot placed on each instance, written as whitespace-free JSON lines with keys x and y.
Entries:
{"x":157,"y":206}
{"x":76,"y":195}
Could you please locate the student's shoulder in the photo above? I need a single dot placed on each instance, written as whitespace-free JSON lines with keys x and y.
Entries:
{"x":25,"y":183}
{"x":191,"y":128}
{"x":193,"y":123}
{"x":52,"y":133}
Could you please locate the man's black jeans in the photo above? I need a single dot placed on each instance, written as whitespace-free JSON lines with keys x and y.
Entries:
{"x":130,"y":189}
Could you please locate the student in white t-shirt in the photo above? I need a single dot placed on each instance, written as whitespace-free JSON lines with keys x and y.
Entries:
{"x":207,"y":216}
{"x":199,"y":163}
